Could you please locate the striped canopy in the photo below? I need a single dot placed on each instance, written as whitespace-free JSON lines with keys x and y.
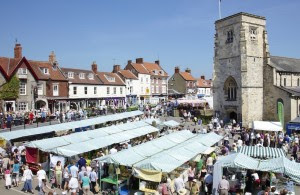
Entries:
{"x":262,"y":152}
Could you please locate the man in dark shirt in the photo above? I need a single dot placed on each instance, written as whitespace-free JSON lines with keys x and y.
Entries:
{"x":81,"y":162}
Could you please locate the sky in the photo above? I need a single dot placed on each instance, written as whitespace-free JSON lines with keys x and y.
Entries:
{"x":177,"y":32}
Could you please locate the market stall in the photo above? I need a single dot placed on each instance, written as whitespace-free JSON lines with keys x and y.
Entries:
{"x":271,"y":126}
{"x":262,"y":152}
{"x":238,"y":166}
{"x":293,"y":126}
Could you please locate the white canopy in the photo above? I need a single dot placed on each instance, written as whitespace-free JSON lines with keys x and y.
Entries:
{"x":171,"y":123}
{"x":267,"y":126}
{"x":66,"y":126}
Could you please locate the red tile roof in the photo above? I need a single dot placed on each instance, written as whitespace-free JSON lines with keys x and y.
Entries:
{"x":103,"y":77}
{"x":140,"y":68}
{"x":187,"y":76}
{"x":77,"y":80}
{"x":203,"y":83}
{"x":127,"y":74}
{"x":154,"y":69}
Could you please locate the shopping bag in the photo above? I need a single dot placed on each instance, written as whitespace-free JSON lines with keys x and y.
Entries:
{"x":97,"y":188}
{"x":23,"y":179}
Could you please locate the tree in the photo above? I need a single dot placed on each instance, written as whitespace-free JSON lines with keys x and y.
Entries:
{"x":10,"y":90}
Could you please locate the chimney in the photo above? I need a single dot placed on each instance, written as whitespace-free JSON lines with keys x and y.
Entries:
{"x":116,"y":68}
{"x":129,"y":61}
{"x":52,"y":57}
{"x":177,"y":70}
{"x":202,"y":77}
{"x":157,"y":62}
{"x":18,"y":50}
{"x":94,"y":67}
{"x":139,"y":61}
{"x":188,"y":70}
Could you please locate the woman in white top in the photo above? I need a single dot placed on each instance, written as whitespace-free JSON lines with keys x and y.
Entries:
{"x":28,"y":180}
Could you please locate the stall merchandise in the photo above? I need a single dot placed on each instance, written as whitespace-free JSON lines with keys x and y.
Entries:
{"x":67,"y":126}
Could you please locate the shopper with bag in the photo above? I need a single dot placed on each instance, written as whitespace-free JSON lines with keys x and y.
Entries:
{"x":27,"y":178}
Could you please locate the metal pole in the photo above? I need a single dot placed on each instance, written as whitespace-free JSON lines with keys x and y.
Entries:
{"x":220,"y":9}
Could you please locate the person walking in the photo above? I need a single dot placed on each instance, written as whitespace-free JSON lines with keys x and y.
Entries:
{"x":41,"y":174}
{"x":16,"y":172}
{"x":223,"y":186}
{"x":85,"y":181}
{"x":94,"y":178}
{"x":7,"y":178}
{"x":58,"y":174}
{"x":195,"y":188}
{"x":27,"y":175}
{"x":73,"y":185}
{"x":42,"y":187}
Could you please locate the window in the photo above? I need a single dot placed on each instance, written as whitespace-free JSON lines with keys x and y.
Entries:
{"x":142,"y":80}
{"x":71,"y":75}
{"x":157,"y":89}
{"x":108,"y":90}
{"x":45,"y":70}
{"x":230,"y":87}
{"x":152,"y":89}
{"x":161,"y":72}
{"x":147,"y":80}
{"x":22,"y":71}
{"x":142,"y":90}
{"x":22,"y":106}
{"x":85,"y":90}
{"x":156,"y":81}
{"x":163,"y":81}
{"x":95,"y":90}
{"x":22,"y":88}
{"x":40,"y":88}
{"x":229,"y":36}
{"x":81,"y":75}
{"x":253,"y":33}
{"x":298,"y":82}
{"x":284,"y":82}
{"x":115,"y":90}
{"x":55,"y":89}
{"x":121,"y":90}
{"x":110,"y":78}
{"x":91,"y":76}
{"x":164,"y":89}
{"x":75,"y":90}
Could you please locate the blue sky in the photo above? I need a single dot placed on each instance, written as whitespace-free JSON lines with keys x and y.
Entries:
{"x":178,"y":32}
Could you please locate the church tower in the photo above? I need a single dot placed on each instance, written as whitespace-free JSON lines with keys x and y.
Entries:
{"x":239,"y":58}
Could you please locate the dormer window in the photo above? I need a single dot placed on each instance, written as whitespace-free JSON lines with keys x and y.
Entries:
{"x":81,"y":75}
{"x":91,"y":76}
{"x":110,"y":78}
{"x":71,"y":75}
{"x":22,"y":71}
{"x":161,"y":72}
{"x":229,"y":36}
{"x":45,"y":70}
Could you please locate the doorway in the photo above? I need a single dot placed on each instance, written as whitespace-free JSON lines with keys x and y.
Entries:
{"x":233,"y":115}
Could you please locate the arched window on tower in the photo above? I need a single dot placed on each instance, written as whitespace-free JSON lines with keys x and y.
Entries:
{"x":230,"y":89}
{"x":298,"y":82}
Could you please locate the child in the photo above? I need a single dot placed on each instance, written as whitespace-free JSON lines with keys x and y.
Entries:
{"x":7,"y":179}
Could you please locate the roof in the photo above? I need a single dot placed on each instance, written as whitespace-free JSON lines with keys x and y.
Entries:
{"x":155,"y":69}
{"x":9,"y":66}
{"x":127,"y":74}
{"x":140,"y":68}
{"x":77,"y":80}
{"x":187,"y":76}
{"x":103,"y":76}
{"x":285,"y":64}
{"x":267,"y":126}
{"x":239,"y":14}
{"x":295,"y":91}
{"x":202,"y":83}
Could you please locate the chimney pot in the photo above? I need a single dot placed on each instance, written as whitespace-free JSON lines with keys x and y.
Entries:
{"x":188,"y":70}
{"x":94,"y":67}
{"x":18,"y":50}
{"x":177,"y":70}
{"x":139,"y":61}
{"x":116,"y":68}
{"x":52,"y":57}
{"x":157,"y":62}
{"x":203,"y":77}
{"x":129,"y":61}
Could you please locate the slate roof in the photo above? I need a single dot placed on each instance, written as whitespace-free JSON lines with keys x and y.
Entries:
{"x":77,"y":80}
{"x":285,"y":64}
{"x":295,"y":91}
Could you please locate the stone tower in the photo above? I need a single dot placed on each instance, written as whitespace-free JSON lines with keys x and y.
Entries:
{"x":239,"y":59}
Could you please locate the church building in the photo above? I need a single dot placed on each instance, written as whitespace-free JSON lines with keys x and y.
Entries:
{"x":248,"y":83}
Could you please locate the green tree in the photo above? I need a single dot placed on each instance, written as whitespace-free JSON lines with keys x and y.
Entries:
{"x":10,"y":90}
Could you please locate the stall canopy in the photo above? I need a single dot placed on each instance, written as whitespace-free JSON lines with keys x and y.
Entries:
{"x":293,"y":125}
{"x":171,"y":123}
{"x":262,"y":152}
{"x":66,"y":126}
{"x":240,"y":160}
{"x":47,"y":145}
{"x":267,"y":126}
{"x":102,"y":142}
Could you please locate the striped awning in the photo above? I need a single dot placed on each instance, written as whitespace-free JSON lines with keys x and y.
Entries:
{"x":262,"y":152}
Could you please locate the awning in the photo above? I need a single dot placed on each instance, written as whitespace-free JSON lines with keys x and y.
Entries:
{"x":262,"y":152}
{"x":267,"y":126}
{"x":171,"y":123}
{"x":66,"y":126}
